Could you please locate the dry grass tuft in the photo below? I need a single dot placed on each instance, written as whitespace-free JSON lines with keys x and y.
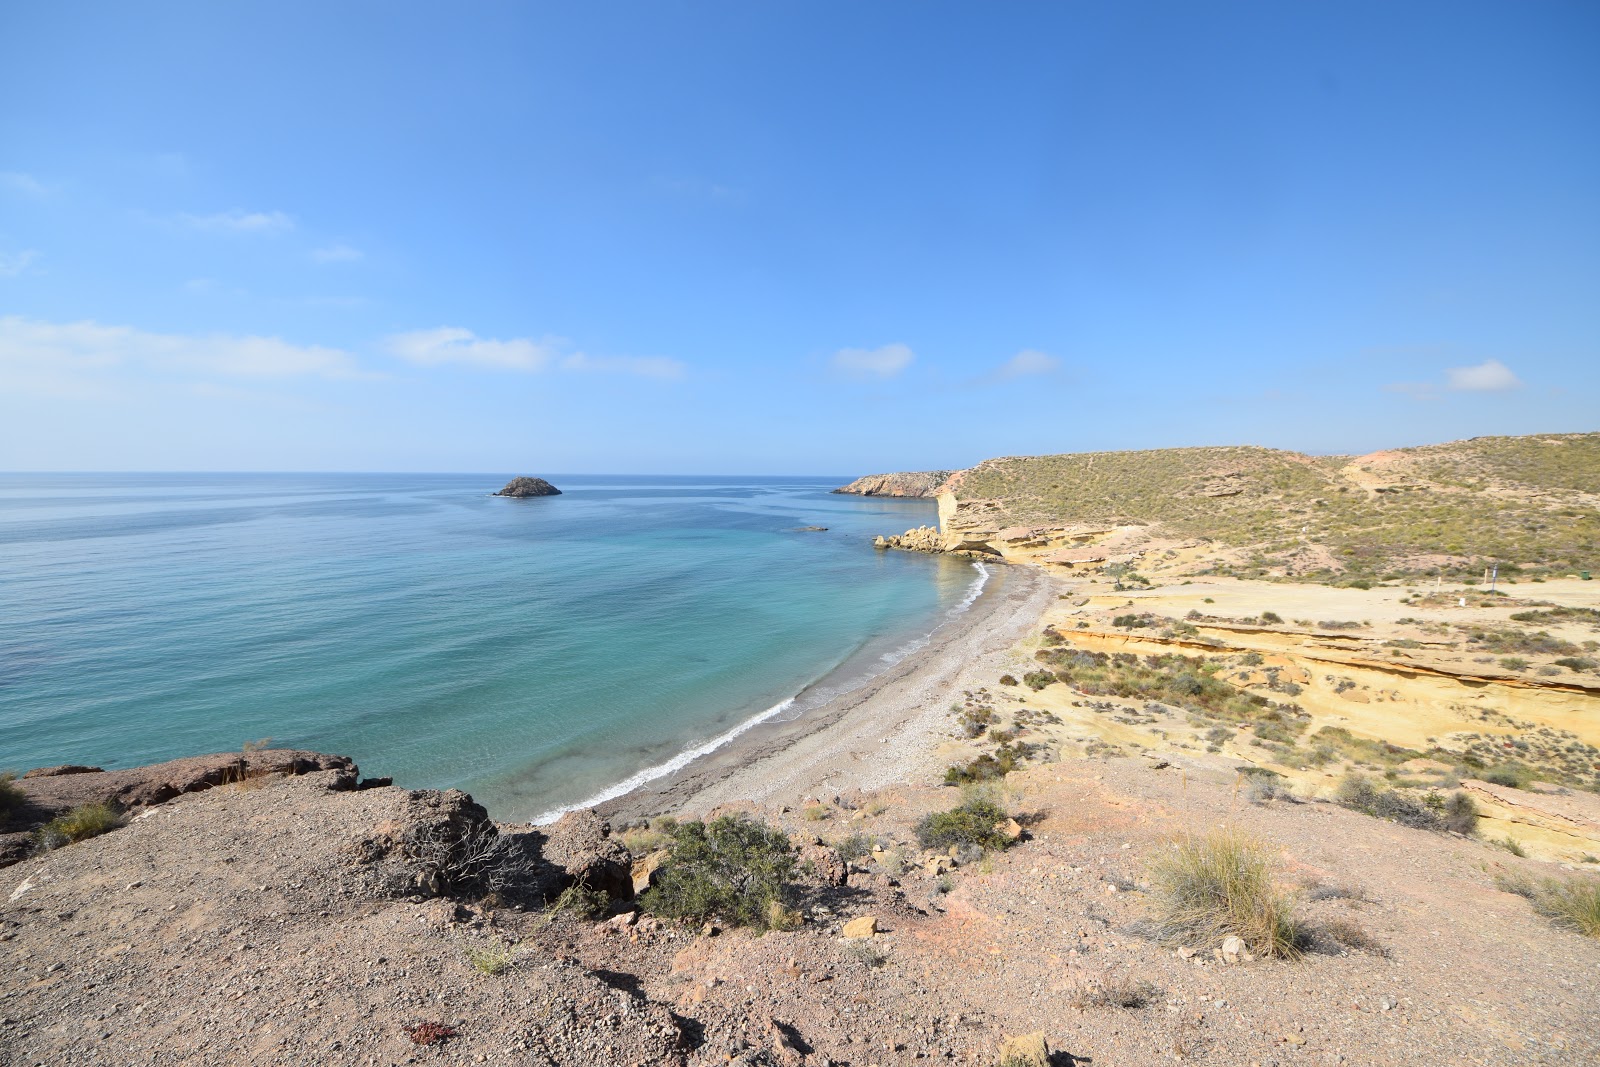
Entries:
{"x":1115,"y":991}
{"x":1222,"y":884}
{"x":79,"y":824}
{"x":1573,"y":903}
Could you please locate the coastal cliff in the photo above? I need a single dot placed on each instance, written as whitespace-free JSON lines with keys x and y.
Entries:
{"x":909,"y":484}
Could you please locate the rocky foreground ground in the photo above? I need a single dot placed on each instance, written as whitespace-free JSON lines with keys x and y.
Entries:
{"x":302,"y":919}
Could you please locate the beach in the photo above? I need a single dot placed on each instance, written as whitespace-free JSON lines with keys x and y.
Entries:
{"x":885,"y":731}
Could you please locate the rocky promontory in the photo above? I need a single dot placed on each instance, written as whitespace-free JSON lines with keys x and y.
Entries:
{"x":910,"y":484}
{"x":522,"y":486}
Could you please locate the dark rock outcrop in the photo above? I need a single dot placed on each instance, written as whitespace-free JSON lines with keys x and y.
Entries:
{"x":522,"y":486}
{"x":911,"y":484}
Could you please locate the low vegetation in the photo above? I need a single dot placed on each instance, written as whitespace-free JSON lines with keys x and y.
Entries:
{"x":1573,"y":903}
{"x":11,"y":796}
{"x":1456,"y":813}
{"x":79,"y":824}
{"x":734,"y":868}
{"x":1208,"y":887}
{"x":978,"y":821}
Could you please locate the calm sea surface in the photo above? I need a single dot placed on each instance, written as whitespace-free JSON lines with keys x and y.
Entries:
{"x":535,"y":652}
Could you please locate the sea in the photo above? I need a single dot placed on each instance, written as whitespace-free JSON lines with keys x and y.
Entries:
{"x":539,"y":653}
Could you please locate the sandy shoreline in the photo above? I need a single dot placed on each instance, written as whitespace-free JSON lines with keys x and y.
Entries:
{"x":885,"y":731}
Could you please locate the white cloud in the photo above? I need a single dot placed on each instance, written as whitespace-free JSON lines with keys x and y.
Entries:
{"x":430,"y":348}
{"x":31,"y":349}
{"x":884,"y":362}
{"x":1028,"y":362}
{"x":337,"y":254}
{"x":14,"y":263}
{"x":26,"y":184}
{"x":1490,"y":376}
{"x":240,"y":222}
{"x":451,"y":344}
{"x":644,"y":366}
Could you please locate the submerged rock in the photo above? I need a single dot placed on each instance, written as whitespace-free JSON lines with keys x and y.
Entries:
{"x":523,"y":486}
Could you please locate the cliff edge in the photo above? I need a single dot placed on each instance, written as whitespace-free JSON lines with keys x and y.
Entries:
{"x":908,"y":484}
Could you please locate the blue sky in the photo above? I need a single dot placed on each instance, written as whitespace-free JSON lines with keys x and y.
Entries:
{"x":786,"y":237}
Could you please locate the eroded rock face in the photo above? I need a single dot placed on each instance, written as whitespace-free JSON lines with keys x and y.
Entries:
{"x":910,"y":484}
{"x":580,"y":843}
{"x":523,"y":486}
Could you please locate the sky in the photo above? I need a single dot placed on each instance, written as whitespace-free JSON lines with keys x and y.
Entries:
{"x":788,"y":237}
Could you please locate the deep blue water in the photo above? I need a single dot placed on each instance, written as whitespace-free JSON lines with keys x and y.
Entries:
{"x":534,"y":652}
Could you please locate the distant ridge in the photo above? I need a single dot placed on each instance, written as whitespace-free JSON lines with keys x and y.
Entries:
{"x":913,"y":484}
{"x":1530,"y":504}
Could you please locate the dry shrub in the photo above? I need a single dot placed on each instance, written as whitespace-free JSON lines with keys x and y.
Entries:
{"x":1573,"y":903}
{"x":1346,"y":934}
{"x":11,"y":796}
{"x":1115,"y":991}
{"x":1221,"y":884}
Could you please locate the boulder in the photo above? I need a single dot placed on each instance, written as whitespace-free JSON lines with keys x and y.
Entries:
{"x":828,"y":864}
{"x":865,"y":926}
{"x":522,"y":486}
{"x":580,"y":843}
{"x":644,"y":872}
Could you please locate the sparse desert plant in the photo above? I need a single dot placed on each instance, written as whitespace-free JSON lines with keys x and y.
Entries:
{"x":734,"y":868}
{"x":643,"y":837}
{"x":1260,"y":788}
{"x":1115,"y":991}
{"x":1578,"y":663}
{"x":1456,"y":813}
{"x":1513,"y":663}
{"x":1213,"y":886}
{"x":490,"y":959}
{"x":1573,"y":903}
{"x":242,"y":774}
{"x":854,"y":847}
{"x":1272,"y":618}
{"x":1511,"y":845}
{"x":580,"y":900}
{"x":1514,"y":775}
{"x":975,"y":822}
{"x":868,"y":952}
{"x":1008,"y":679}
{"x":475,"y":859}
{"x":79,"y":824}
{"x":1348,"y":934}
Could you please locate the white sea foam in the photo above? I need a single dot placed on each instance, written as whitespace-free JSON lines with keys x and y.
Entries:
{"x":661,"y":770}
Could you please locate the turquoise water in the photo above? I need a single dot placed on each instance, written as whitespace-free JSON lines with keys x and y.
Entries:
{"x":534,"y":652}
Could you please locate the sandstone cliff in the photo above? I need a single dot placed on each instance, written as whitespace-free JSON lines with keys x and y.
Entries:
{"x":912,"y":484}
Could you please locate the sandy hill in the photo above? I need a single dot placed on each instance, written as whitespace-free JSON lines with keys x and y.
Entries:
{"x":1530,"y":504}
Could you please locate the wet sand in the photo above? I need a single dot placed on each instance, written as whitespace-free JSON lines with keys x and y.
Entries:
{"x":885,"y":731}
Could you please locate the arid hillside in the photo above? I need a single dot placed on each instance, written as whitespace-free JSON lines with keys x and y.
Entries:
{"x":1530,"y":504}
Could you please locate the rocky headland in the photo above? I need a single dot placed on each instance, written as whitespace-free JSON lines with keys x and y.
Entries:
{"x":913,"y":484}
{"x":524,"y":486}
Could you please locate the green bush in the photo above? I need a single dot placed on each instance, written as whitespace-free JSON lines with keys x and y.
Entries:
{"x":1514,"y":775}
{"x":972,"y":823}
{"x":79,"y":824}
{"x":1578,"y":663}
{"x":1271,"y":618}
{"x":735,"y":868}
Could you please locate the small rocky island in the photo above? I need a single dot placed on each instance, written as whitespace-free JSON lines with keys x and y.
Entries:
{"x":909,"y":484}
{"x":521,"y":486}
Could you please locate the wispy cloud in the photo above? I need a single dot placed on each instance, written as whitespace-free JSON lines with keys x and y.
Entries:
{"x":643,"y":366}
{"x":30,"y":347}
{"x":1027,"y":363}
{"x":454,"y":345}
{"x":450,"y":344}
{"x":339,"y":253}
{"x":884,"y":362}
{"x":13,"y":264}
{"x":1490,"y":376}
{"x":240,"y":222}
{"x":17,"y":182}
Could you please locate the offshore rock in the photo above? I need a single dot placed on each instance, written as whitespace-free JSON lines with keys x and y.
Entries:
{"x":912,"y":484}
{"x":522,"y":486}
